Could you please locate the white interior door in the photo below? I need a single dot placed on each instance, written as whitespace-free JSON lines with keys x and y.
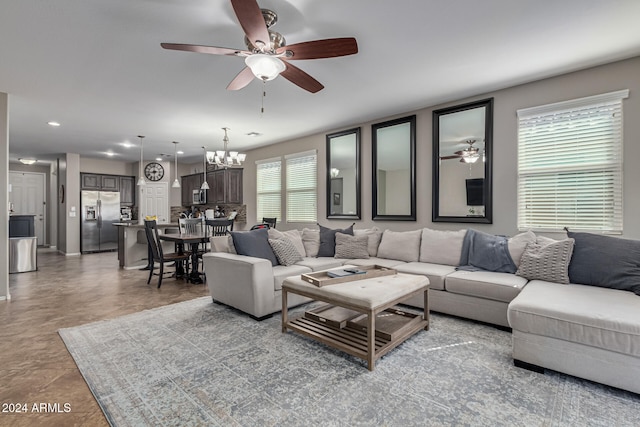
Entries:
{"x":27,"y":198}
{"x":155,"y":197}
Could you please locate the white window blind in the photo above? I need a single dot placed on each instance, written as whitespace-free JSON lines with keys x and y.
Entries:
{"x":268,"y":187}
{"x":570,"y":165}
{"x":302,"y":192}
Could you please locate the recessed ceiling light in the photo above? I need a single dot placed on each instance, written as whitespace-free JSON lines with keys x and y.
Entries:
{"x":179,"y":152}
{"x":27,"y":161}
{"x":158,"y":159}
{"x":127,"y":144}
{"x":54,"y":124}
{"x":254,"y":134}
{"x":110,"y":153}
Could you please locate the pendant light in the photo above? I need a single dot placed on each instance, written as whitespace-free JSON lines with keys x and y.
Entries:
{"x":176,"y":183}
{"x":141,"y":180}
{"x":205,"y":185}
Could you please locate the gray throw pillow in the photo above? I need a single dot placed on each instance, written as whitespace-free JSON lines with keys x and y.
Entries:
{"x":285,"y":251}
{"x":254,"y":243}
{"x":548,"y":262}
{"x":328,"y":240}
{"x":605,"y":261}
{"x":351,"y":247}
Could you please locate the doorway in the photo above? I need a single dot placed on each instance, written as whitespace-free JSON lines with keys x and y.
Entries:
{"x":155,"y":201}
{"x":27,"y":197}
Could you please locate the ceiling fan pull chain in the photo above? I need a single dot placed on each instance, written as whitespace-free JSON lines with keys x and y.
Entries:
{"x":264,"y":93}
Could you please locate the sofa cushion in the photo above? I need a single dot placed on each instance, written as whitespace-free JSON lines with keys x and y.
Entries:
{"x":518,"y":243}
{"x":383,"y":262}
{"x":285,"y":251}
{"x":320,"y":263}
{"x":435,"y":272}
{"x":441,"y":246}
{"x":374,"y":234}
{"x":254,"y":243}
{"x":311,"y":241}
{"x":400,"y":245}
{"x":281,"y":272}
{"x":328,"y":239}
{"x":485,"y":284}
{"x":598,"y":317}
{"x":548,"y":262}
{"x":606,"y":261}
{"x":294,"y":235}
{"x":348,"y":246}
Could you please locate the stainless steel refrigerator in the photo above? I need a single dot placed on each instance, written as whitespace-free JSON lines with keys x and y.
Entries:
{"x":100,"y":209}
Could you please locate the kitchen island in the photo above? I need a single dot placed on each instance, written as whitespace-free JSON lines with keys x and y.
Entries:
{"x":132,"y":243}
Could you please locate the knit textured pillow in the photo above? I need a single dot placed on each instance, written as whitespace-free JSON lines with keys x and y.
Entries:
{"x":352,"y":247}
{"x":285,"y":251}
{"x":548,"y":262}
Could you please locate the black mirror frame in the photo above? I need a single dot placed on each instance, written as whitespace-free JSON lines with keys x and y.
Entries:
{"x":330,"y":136}
{"x":374,"y":150}
{"x":488,"y":165}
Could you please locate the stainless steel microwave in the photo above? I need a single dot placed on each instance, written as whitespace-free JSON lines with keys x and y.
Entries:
{"x":199,"y":197}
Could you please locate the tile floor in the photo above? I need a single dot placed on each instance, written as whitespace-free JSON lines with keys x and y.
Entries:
{"x":35,"y":366}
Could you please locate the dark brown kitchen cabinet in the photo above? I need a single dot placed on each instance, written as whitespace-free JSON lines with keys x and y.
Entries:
{"x":188,"y":184}
{"x":127,"y":190}
{"x":109,"y":183}
{"x":225,"y":186}
{"x":89,"y":181}
{"x":93,"y":181}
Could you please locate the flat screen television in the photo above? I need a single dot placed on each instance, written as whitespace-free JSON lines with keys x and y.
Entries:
{"x":475,"y":192}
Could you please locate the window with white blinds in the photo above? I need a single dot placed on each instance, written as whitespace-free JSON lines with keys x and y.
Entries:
{"x":268,"y":189}
{"x":570,"y":165}
{"x":302,"y":191}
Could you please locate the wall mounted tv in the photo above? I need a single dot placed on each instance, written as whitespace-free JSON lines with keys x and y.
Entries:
{"x":475,"y":192}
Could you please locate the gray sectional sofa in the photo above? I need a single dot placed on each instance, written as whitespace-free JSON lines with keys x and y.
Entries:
{"x":586,"y":331}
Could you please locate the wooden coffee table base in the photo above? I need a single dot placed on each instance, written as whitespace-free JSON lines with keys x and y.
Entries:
{"x":360,"y":343}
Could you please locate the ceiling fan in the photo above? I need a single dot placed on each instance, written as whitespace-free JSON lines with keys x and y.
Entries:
{"x":470,"y":154}
{"x":267,"y":56}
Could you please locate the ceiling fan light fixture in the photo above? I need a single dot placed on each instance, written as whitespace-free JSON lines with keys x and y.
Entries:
{"x":265,"y":67}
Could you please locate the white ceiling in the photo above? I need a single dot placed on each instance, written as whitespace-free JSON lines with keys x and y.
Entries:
{"x":97,"y":67}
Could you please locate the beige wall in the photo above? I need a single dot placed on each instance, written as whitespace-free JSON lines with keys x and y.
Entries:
{"x":4,"y":196}
{"x":602,"y":79}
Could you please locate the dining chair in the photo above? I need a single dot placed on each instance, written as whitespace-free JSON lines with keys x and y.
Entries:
{"x":158,"y":255}
{"x":218,"y":227}
{"x":190,"y":225}
{"x":270,"y":221}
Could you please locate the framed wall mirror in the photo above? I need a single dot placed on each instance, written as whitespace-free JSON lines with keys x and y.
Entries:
{"x":394,"y":165}
{"x":343,"y":174}
{"x":462,"y":158}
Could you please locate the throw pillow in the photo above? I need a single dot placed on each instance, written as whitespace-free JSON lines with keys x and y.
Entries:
{"x":293,"y":235}
{"x":311,"y":241}
{"x":374,"y":235}
{"x":352,"y":247}
{"x":254,"y":243}
{"x":441,"y":246}
{"x":328,"y":239}
{"x":285,"y":251}
{"x":605,"y":261}
{"x":548,"y":262}
{"x":518,"y":243}
{"x":400,"y":245}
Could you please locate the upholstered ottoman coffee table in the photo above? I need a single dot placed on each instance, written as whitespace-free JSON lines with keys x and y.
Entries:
{"x":368,"y":296}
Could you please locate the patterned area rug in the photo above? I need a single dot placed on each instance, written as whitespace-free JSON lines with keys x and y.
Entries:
{"x":201,"y":364}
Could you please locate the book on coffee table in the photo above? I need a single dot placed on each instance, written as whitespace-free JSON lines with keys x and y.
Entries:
{"x":344,"y":272}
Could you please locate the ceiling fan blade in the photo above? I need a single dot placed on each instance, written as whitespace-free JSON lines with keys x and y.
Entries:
{"x":213,"y":50}
{"x":449,"y":157}
{"x":298,"y":77}
{"x":316,"y":49}
{"x":243,"y":78}
{"x":252,"y":22}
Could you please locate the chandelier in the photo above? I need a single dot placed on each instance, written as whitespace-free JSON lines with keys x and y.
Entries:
{"x":225,"y":158}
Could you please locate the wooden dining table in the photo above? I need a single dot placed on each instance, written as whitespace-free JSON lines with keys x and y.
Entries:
{"x":193,"y":239}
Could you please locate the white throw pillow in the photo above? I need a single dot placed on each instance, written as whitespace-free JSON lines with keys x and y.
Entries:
{"x":518,"y":243}
{"x":351,"y":247}
{"x":292,"y":235}
{"x":441,"y":246}
{"x":547,"y":261}
{"x":400,"y":245}
{"x":374,"y":235}
{"x":311,"y":241}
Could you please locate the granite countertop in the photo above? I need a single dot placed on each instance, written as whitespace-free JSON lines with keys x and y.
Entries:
{"x":135,"y":224}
